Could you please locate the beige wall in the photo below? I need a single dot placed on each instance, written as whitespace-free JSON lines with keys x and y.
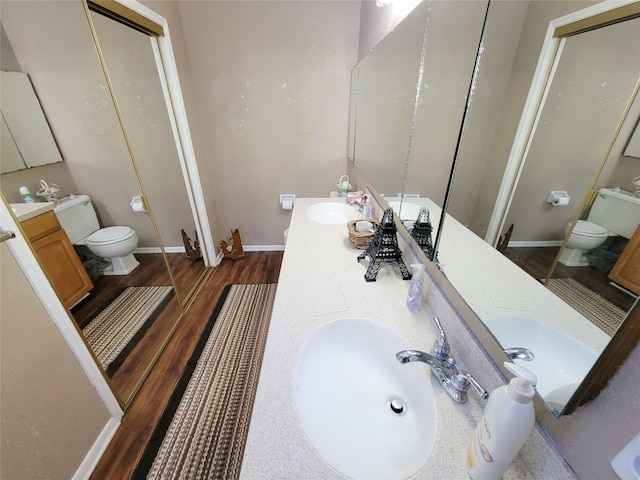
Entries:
{"x":51,"y":414}
{"x":529,"y":44}
{"x":272,"y":86}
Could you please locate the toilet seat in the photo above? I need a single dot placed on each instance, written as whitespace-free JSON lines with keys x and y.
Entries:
{"x":110,"y":235}
{"x":589,"y":229}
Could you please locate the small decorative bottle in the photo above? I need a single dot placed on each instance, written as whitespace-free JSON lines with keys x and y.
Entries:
{"x":414,"y":299}
{"x":367,"y":210}
{"x":26,"y":195}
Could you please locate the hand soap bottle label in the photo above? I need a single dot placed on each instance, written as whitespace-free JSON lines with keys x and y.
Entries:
{"x":478,"y":450}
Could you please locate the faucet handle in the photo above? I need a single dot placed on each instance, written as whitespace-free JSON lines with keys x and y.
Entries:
{"x":465,"y":378}
{"x":441,"y":346}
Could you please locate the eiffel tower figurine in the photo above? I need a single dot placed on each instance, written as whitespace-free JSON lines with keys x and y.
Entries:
{"x":421,"y":232}
{"x":383,"y":249}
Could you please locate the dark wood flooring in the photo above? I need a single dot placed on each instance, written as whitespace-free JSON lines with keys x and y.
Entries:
{"x":537,"y":262}
{"x":127,"y":446}
{"x":152,"y":271}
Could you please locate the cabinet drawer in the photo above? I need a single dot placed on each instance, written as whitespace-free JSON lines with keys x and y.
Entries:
{"x":38,"y":227}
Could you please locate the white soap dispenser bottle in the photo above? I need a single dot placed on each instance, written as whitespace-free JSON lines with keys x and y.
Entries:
{"x":505,"y":426}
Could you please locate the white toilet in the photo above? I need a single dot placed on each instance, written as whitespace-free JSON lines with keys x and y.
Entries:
{"x":585,"y":236}
{"x":115,"y":244}
{"x":614,"y":212}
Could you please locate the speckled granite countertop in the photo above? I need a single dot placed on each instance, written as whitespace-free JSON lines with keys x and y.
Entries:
{"x":321,"y":281}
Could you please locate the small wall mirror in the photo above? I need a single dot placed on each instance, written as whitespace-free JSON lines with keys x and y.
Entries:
{"x":27,"y":140}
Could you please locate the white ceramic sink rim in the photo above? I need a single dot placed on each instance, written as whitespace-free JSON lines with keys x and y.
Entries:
{"x":561,"y":362}
{"x":345,"y":376}
{"x":330,"y":213}
{"x":410,"y":211}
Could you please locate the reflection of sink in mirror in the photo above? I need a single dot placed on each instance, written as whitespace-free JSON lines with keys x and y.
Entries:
{"x":346,"y":377}
{"x":560,"y":362}
{"x":410,"y":211}
{"x":332,"y":213}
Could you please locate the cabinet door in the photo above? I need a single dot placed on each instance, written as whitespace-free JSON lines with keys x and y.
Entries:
{"x":63,"y":267}
{"x":626,"y":271}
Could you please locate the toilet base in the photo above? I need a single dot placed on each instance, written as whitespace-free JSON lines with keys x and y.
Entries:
{"x":573,"y":257}
{"x":121,"y":265}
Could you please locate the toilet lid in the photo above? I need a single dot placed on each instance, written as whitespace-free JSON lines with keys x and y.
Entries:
{"x":109,"y":235}
{"x":589,"y":229}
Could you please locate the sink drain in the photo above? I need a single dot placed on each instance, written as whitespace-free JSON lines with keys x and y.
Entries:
{"x":397,"y":407}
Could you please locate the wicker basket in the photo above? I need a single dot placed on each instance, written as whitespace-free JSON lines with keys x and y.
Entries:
{"x":357,"y":239}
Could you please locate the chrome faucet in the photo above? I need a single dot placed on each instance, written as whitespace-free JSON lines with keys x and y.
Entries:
{"x":521,"y":353}
{"x":360,"y":205}
{"x":455,"y":382}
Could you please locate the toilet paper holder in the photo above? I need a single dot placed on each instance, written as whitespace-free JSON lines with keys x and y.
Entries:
{"x":138,"y":204}
{"x":558,"y":197}
{"x":287,"y":200}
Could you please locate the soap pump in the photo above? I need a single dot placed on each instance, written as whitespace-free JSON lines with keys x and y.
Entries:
{"x":505,"y":426}
{"x":414,"y":299}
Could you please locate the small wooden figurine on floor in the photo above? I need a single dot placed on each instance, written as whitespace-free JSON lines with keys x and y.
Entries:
{"x":503,"y":241}
{"x":233,"y":251}
{"x":193,"y":252}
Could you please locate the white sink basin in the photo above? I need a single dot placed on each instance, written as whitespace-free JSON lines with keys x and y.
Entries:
{"x":561,"y":362}
{"x":410,"y":211}
{"x":25,"y":211}
{"x":346,"y":376}
{"x":332,"y":213}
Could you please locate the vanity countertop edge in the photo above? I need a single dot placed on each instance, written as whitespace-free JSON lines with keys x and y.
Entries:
{"x":26,"y":211}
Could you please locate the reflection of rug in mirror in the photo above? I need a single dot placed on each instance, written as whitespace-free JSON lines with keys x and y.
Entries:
{"x":203,"y":430}
{"x":116,"y":330}
{"x":602,"y":313}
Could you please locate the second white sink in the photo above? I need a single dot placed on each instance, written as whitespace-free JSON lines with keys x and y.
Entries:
{"x":332,"y":213}
{"x":367,"y":415}
{"x":409,"y":211}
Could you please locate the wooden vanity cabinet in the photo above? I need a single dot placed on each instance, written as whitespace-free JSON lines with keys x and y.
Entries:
{"x":57,"y":257}
{"x":626,"y":271}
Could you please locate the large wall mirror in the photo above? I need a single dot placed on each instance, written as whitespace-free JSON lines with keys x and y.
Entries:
{"x":107,"y":107}
{"x":408,"y":109}
{"x":579,"y":113}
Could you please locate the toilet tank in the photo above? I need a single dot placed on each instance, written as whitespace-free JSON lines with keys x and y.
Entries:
{"x":77,"y":217}
{"x":616,"y":210}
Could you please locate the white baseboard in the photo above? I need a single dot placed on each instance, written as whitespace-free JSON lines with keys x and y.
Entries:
{"x":97,"y":449}
{"x":263,"y":248}
{"x":535,"y":243}
{"x":143,"y":250}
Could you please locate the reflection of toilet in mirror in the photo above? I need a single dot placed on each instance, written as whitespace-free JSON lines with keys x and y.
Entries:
{"x":614,"y":212}
{"x":115,"y":244}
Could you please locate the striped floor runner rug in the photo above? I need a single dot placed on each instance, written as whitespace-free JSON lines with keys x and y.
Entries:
{"x":602,"y":313}
{"x":116,"y":330}
{"x":203,"y":430}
